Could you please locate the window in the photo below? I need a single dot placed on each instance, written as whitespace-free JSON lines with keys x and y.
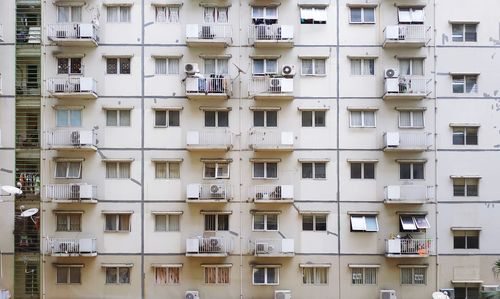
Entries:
{"x":362,"y":15}
{"x":266,"y":275}
{"x":312,"y":15}
{"x":411,"y":67}
{"x":315,"y":275}
{"x":465,"y":136}
{"x":313,"y":118}
{"x":411,"y":171}
{"x":167,"y":223}
{"x":411,"y":15}
{"x":167,"y":118}
{"x":364,"y":223}
{"x":167,"y":170}
{"x":118,"y":66}
{"x":413,"y":223}
{"x":265,"y":170}
{"x":362,"y":67}
{"x":268,"y":119}
{"x":264,"y":66}
{"x":411,"y":119}
{"x":216,"y":170}
{"x":314,"y":170}
{"x":167,"y":14}
{"x":69,"y":14}
{"x":117,"y":223}
{"x":68,"y":274}
{"x":117,"y":170}
{"x":167,"y":275}
{"x":68,"y":117}
{"x":362,"y":119}
{"x":362,"y":276}
{"x":314,"y":222}
{"x":216,"y":274}
{"x":69,"y":66}
{"x":117,"y":118}
{"x":466,"y":239}
{"x":265,"y":222}
{"x":215,"y":14}
{"x":465,"y":187}
{"x":267,"y":15}
{"x":362,"y":170}
{"x":68,"y":170}
{"x":314,"y":66}
{"x":218,"y":119}
{"x":464,"y":83}
{"x":68,"y":222}
{"x":467,"y":292}
{"x":118,"y":14}
{"x":464,"y":32}
{"x":216,"y":222}
{"x":218,"y":66}
{"x":413,"y":275}
{"x":117,"y":275}
{"x":166,"y":66}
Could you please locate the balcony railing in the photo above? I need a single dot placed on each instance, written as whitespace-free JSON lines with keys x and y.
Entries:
{"x":272,"y":193}
{"x":208,"y":34}
{"x":209,"y":140}
{"x":406,"y":87}
{"x":274,"y":247}
{"x":71,"y":247}
{"x":211,"y":246}
{"x":208,"y":87}
{"x":408,"y":247}
{"x":80,"y":193}
{"x":72,"y":87}
{"x":268,"y":140}
{"x":271,"y":35}
{"x":408,"y":193}
{"x":72,"y":139}
{"x":208,"y":192}
{"x":410,"y":35}
{"x":399,"y":141}
{"x":267,"y":87}
{"x":73,"y":33}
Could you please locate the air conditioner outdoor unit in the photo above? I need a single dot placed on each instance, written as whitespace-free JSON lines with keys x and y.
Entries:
{"x":489,"y":288}
{"x":75,"y":138}
{"x":391,"y":139}
{"x":191,"y":68}
{"x":282,"y":294}
{"x":217,"y":191}
{"x":391,"y":73}
{"x":75,"y":192}
{"x":449,"y":292}
{"x":288,"y":71}
{"x":192,"y":295}
{"x":262,"y":248}
{"x":388,"y":294}
{"x":275,"y":85}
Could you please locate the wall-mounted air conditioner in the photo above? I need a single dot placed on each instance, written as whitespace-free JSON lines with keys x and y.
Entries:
{"x":217,"y":191}
{"x":192,"y":295}
{"x":263,"y":248}
{"x":282,"y":294}
{"x":288,"y":71}
{"x":387,"y":294}
{"x":391,"y":73}
{"x":191,"y":68}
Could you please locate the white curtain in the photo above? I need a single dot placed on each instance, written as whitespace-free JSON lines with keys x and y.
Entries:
{"x":319,"y":66}
{"x":161,"y":169}
{"x":320,"y":276}
{"x":113,"y":14}
{"x":174,"y":170}
{"x":356,"y":67}
{"x":160,"y":66}
{"x":209,"y":15}
{"x":417,"y":67}
{"x":63,"y":14}
{"x":74,"y":169}
{"x":405,"y":67}
{"x":76,"y":14}
{"x":161,"y":14}
{"x":111,"y":170}
{"x":209,"y":66}
{"x":124,"y":168}
{"x":173,"y":66}
{"x":404,"y":119}
{"x":222,"y":13}
{"x":124,"y":14}
{"x":173,"y":223}
{"x":306,"y":13}
{"x":161,"y":275}
{"x":370,"y":275}
{"x":258,"y":66}
{"x":418,"y":118}
{"x":161,"y":223}
{"x":307,"y":67}
{"x":404,"y":15}
{"x":368,"y":67}
{"x":356,"y":120}
{"x":257,"y":12}
{"x":320,"y":14}
{"x":369,"y":118}
{"x":271,"y":66}
{"x":173,"y":14}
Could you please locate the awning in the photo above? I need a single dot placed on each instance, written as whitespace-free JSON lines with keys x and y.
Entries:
{"x":214,"y":160}
{"x":161,"y":265}
{"x":67,"y":211}
{"x":254,"y":108}
{"x":60,"y":265}
{"x":305,"y":160}
{"x":262,"y":160}
{"x":260,"y":212}
{"x":216,"y":212}
{"x":313,"y":265}
{"x":128,"y":212}
{"x":170,"y":108}
{"x":167,"y":160}
{"x":363,"y":108}
{"x":167,"y":212}
{"x":363,"y":265}
{"x":117,"y":160}
{"x":112,"y":265}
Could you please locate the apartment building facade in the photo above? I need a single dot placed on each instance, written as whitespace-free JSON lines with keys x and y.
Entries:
{"x":248,"y":149}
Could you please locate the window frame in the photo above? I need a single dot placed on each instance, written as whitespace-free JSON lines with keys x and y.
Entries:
{"x":412,"y":167}
{"x":69,"y":116}
{"x":314,"y":72}
{"x":169,"y":70}
{"x":217,"y":65}
{"x":314,"y":170}
{"x":265,"y":15}
{"x":466,"y":235}
{"x":119,"y":66}
{"x":412,"y":119}
{"x":265,"y":118}
{"x":362,"y":170}
{"x":119,"y":165}
{"x":461,"y":81}
{"x":265,"y":62}
{"x":466,"y":131}
{"x":216,"y":269}
{"x":69,"y":225}
{"x":365,"y":226}
{"x":314,"y":123}
{"x":466,"y":287}
{"x":216,"y":222}
{"x":169,"y":11}
{"x":364,"y":276}
{"x":413,"y":273}
{"x":168,"y":217}
{"x":313,"y":12}
{"x":216,"y":14}
{"x":315,"y":222}
{"x":217,"y":176}
{"x":68,"y":167}
{"x":466,"y":191}
{"x":118,"y":221}
{"x":411,"y":11}
{"x":363,"y":65}
{"x":362,"y":10}
{"x":266,"y":282}
{"x":119,"y":118}
{"x":411,"y":62}
{"x":168,"y":116}
{"x":265,"y":176}
{"x":416,"y":226}
{"x":69,"y":63}
{"x":119,"y":15}
{"x":265,"y":223}
{"x":168,"y":171}
{"x":314,"y":276}
{"x":117,"y":277}
{"x":69,"y":269}
{"x":463,"y":35}
{"x":167,"y":275}
{"x":216,"y":118}
{"x":71,"y":11}
{"x":363,"y":122}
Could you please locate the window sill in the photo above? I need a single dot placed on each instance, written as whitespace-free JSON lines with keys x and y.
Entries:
{"x":361,"y":23}
{"x":266,"y":179}
{"x":117,"y":231}
{"x":313,"y":75}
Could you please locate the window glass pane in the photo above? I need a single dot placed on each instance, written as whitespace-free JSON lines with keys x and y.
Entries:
{"x":320,"y":170}
{"x":209,"y":170}
{"x":258,"y":118}
{"x":76,"y":66}
{"x":368,"y":67}
{"x":112,"y":65}
{"x":74,"y":275}
{"x":369,"y":118}
{"x":472,"y":187}
{"x":173,"y":223}
{"x":407,"y":223}
{"x":222,"y":170}
{"x":355,"y":15}
{"x":173,"y":66}
{"x":307,"y":222}
{"x":371,"y":223}
{"x":161,"y":223}
{"x":223,"y":222}
{"x":62,"y":222}
{"x":161,"y":14}
{"x":419,"y":275}
{"x":124,"y":222}
{"x":472,"y":240}
{"x":111,"y":170}
{"x":272,"y":222}
{"x":471,"y":136}
{"x":124,"y":14}
{"x":308,"y":275}
{"x":63,"y":14}
{"x":307,"y":118}
{"x":356,"y":67}
{"x":124,"y":170}
{"x":470,"y":84}
{"x":418,"y":171}
{"x":271,"y":66}
{"x":458,"y":136}
{"x":74,"y":222}
{"x":404,"y":118}
{"x":418,"y":119}
{"x":210,"y":222}
{"x":173,"y":118}
{"x":370,"y":275}
{"x":209,"y":118}
{"x":111,"y":117}
{"x":210,"y":274}
{"x":161,"y":170}
{"x":62,"y":66}
{"x":75,"y":118}
{"x":174,"y":170}
{"x":124,"y":275}
{"x":357,"y":275}
{"x":458,"y":187}
{"x":62,"y":118}
{"x":258,"y":170}
{"x":160,"y":66}
{"x":307,"y":66}
{"x":356,"y":120}
{"x":74,"y":169}
{"x":405,"y":171}
{"x":421,"y":222}
{"x":457,"y":32}
{"x":111,"y":222}
{"x":320,"y":222}
{"x":458,"y":84}
{"x":259,"y":275}
{"x":459,"y":242}
{"x":61,"y":169}
{"x":319,"y":66}
{"x":369,"y":15}
{"x":124,"y":117}
{"x":124,"y":65}
{"x":358,"y":223}
{"x":470,"y":33}
{"x":307,"y":170}
{"x":417,"y":67}
{"x":258,"y":222}
{"x":272,"y":170}
{"x":258,"y":66}
{"x":405,"y":66}
{"x":62,"y":274}
{"x":271,"y":118}
{"x":223,"y":119}
{"x":406,"y":276}
{"x":356,"y":170}
{"x":160,"y":118}
{"x":209,"y":66}
{"x":272,"y":275}
{"x":369,"y":170}
{"x":319,"y":118}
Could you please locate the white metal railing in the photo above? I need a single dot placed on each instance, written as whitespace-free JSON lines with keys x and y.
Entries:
{"x":403,"y":140}
{"x":270,"y":138}
{"x":269,"y":84}
{"x":71,"y":85}
{"x":411,"y":193}
{"x":271,"y":192}
{"x":208,"y":84}
{"x":275,"y":32}
{"x":209,"y":191}
{"x":409,"y":246}
{"x":72,"y":31}
{"x":406,"y":85}
{"x":69,"y":246}
{"x":71,"y":192}
{"x":408,"y":32}
{"x":208,"y":31}
{"x":274,"y":246}
{"x":71,"y":137}
{"x":208,"y":245}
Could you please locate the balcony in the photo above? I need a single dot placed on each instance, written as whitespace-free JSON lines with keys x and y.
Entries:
{"x":203,"y":193}
{"x":403,"y":248}
{"x":71,"y":193}
{"x":72,"y":139}
{"x":211,"y":87}
{"x":408,"y":194}
{"x":208,"y":35}
{"x":274,"y":248}
{"x":271,"y":88}
{"x":405,"y":36}
{"x":72,"y":88}
{"x":271,"y":36}
{"x":405,"y":88}
{"x":209,"y":140}
{"x":270,"y":140}
{"x":208,"y":246}
{"x":71,"y":247}
{"x":407,"y":142}
{"x":272,"y":193}
{"x":73,"y":34}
